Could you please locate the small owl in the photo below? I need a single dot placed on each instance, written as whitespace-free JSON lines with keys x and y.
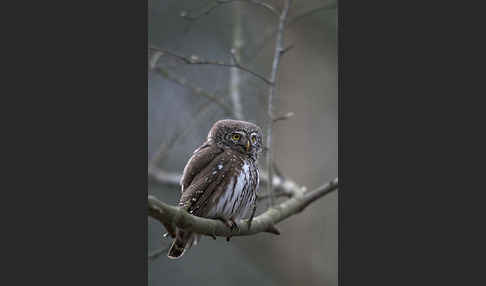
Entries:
{"x":220,"y":180}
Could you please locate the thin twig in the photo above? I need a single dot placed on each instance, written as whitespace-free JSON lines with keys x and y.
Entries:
{"x":280,"y":184}
{"x":165,"y":177}
{"x":287,"y":49}
{"x":265,"y":222}
{"x":295,"y":19}
{"x":195,"y":60}
{"x":219,"y":3}
{"x":275,"y":195}
{"x":319,"y":192}
{"x":283,"y":117}
{"x":195,"y":90}
{"x":166,"y":147}
{"x":269,"y":36}
{"x":271,"y":92}
{"x":156,"y":253}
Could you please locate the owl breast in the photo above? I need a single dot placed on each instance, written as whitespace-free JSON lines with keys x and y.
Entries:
{"x":239,"y":194}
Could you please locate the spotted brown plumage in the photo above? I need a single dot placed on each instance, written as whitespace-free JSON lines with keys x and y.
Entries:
{"x":220,"y":180}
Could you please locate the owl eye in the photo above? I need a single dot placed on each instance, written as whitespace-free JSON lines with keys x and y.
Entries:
{"x":253,"y":139}
{"x":235,"y":136}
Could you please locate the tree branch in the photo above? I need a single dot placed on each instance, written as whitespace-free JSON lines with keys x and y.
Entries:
{"x":156,"y":253}
{"x":283,"y":117}
{"x":273,"y":77}
{"x":176,"y":217}
{"x":292,"y":21}
{"x":280,"y":184}
{"x":195,"y":90}
{"x":195,"y":60}
{"x":164,"y":177}
{"x":219,"y":3}
{"x":289,"y":23}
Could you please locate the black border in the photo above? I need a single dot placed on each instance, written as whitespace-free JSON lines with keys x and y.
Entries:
{"x":83,"y":219}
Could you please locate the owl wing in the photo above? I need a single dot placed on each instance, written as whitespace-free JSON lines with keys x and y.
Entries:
{"x":199,"y":160}
{"x":208,"y":185}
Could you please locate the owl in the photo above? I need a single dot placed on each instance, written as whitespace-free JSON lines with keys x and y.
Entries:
{"x":220,"y":180}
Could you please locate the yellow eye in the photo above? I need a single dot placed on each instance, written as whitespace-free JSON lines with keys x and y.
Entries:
{"x":253,"y":139}
{"x":235,"y":136}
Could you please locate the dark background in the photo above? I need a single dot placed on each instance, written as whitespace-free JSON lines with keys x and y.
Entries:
{"x":305,"y":146}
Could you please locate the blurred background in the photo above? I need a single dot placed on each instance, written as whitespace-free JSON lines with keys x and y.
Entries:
{"x":184,"y":100}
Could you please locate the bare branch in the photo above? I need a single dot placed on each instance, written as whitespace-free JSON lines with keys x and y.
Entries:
{"x":273,"y":77}
{"x":319,"y":192}
{"x":195,"y":60}
{"x":166,"y":147}
{"x":265,"y":222}
{"x":154,"y":59}
{"x":195,"y":90}
{"x":287,"y":49}
{"x":310,"y":12}
{"x":283,"y":117}
{"x":269,"y":36}
{"x":274,"y":195}
{"x":164,"y":177}
{"x":219,"y":3}
{"x":156,"y":253}
{"x":280,"y":184}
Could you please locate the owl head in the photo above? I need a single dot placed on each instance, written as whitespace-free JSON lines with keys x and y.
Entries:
{"x":241,"y":136}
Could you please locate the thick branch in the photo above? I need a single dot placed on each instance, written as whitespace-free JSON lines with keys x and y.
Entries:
{"x":195,"y":60}
{"x":265,"y":222}
{"x":273,"y":77}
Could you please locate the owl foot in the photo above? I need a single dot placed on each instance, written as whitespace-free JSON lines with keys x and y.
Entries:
{"x":234,"y":226}
{"x":231,"y":223}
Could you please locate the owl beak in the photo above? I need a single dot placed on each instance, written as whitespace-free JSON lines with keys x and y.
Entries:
{"x":247,"y":145}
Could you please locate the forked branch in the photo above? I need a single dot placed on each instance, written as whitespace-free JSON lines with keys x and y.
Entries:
{"x":196,"y":60}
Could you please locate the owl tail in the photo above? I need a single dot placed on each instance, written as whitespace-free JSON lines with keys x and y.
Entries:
{"x":183,"y":241}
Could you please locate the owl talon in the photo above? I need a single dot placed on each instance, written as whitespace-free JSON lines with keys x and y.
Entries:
{"x":228,"y":222}
{"x":234,"y":225}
